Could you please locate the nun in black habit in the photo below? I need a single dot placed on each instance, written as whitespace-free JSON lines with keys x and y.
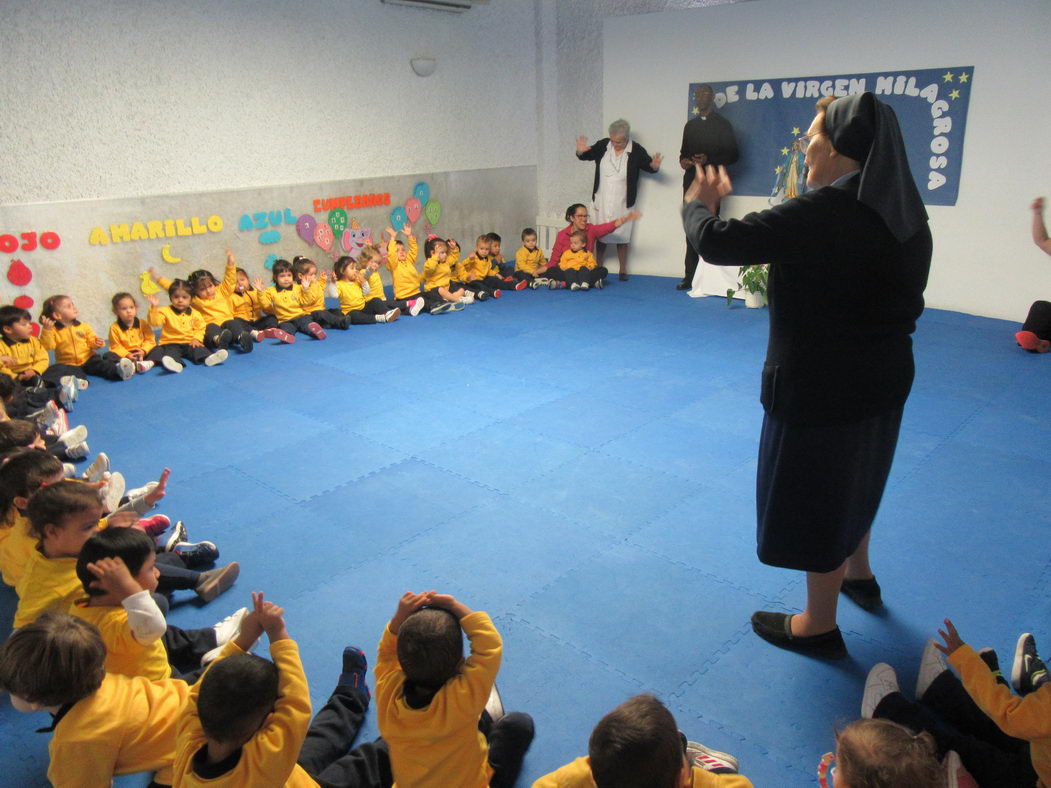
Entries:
{"x":848,"y":265}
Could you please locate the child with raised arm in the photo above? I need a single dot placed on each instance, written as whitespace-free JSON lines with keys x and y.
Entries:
{"x":405,"y":279}
{"x":130,"y":337}
{"x":246,"y":304}
{"x":439,"y":291}
{"x":312,"y":288}
{"x":430,"y":700}
{"x":351,"y":285}
{"x":283,"y":300}
{"x":75,"y":342}
{"x":377,"y":300}
{"x":246,"y":723}
{"x":639,"y":743}
{"x":182,"y":331}
{"x":103,"y":724}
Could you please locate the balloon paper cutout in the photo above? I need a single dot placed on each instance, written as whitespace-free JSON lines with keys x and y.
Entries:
{"x":422,"y":192}
{"x":305,"y":225}
{"x":323,"y":236}
{"x":268,"y":264}
{"x":413,"y":208}
{"x":337,"y":220}
{"x":269,"y":237}
{"x":23,"y":302}
{"x":35,"y":329}
{"x":433,"y":211}
{"x":398,"y":218}
{"x":19,"y":274}
{"x":147,"y":285}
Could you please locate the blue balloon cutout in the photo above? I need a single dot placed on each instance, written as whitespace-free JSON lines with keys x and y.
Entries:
{"x":268,"y":264}
{"x":269,"y":237}
{"x":398,"y":218}
{"x":422,"y":192}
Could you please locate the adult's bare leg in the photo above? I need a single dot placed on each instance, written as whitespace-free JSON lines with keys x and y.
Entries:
{"x":822,"y":598}
{"x":622,"y":256}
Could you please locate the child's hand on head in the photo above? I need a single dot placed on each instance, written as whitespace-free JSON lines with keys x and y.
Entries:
{"x":47,"y":322}
{"x":450,"y":603}
{"x":409,"y":603}
{"x":158,"y":492}
{"x":113,"y":577}
{"x":951,"y":637}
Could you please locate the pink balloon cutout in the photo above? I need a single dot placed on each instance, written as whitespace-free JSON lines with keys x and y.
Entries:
{"x":323,"y":236}
{"x":413,"y":208}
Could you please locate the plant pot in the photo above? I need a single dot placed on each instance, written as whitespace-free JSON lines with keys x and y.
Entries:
{"x":754,"y":300}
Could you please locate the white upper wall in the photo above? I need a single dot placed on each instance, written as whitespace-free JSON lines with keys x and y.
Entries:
{"x":111,"y":99}
{"x":984,"y":260}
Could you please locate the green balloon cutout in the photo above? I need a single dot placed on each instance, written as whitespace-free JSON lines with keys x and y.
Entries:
{"x":433,"y":211}
{"x":337,"y":220}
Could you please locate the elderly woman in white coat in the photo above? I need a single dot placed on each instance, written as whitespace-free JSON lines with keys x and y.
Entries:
{"x":618,"y":161}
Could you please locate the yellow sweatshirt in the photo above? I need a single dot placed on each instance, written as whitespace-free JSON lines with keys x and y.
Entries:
{"x":282,"y":303}
{"x":177,"y":327}
{"x":127,"y":725}
{"x":268,"y":759}
{"x":404,"y":276}
{"x":17,"y":546}
{"x":124,"y":654}
{"x":46,"y":584}
{"x":480,"y":267}
{"x":440,"y":745}
{"x":27,"y":353}
{"x":571,"y":260}
{"x":529,"y":261}
{"x":312,"y":298}
{"x":376,"y":286}
{"x":436,"y":274}
{"x":246,"y":305}
{"x":351,"y":298}
{"x":73,"y":344}
{"x":124,"y":340}
{"x":578,"y":775}
{"x":218,"y":308}
{"x":1026,"y":717}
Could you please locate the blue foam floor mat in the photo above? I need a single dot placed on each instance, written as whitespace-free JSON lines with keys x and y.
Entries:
{"x":582,"y":466}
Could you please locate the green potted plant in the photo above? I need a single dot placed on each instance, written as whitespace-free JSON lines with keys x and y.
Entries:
{"x":752,"y":279}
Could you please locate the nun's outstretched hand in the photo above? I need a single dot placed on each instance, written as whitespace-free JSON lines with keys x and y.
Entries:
{"x":709,"y":186}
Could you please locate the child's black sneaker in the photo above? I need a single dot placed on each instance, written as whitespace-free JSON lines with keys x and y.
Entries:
{"x":355,"y":670}
{"x":1029,"y":671}
{"x":989,"y":658}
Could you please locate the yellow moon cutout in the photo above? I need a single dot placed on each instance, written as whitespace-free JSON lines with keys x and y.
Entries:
{"x":166,"y":254}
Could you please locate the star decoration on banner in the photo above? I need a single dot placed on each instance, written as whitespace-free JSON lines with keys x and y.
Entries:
{"x":954,"y":94}
{"x":947,"y":77}
{"x":795,"y":131}
{"x":695,"y":111}
{"x":778,"y":169}
{"x":784,"y":151}
{"x":964,"y":77}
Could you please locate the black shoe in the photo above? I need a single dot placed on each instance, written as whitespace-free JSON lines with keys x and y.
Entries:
{"x":864,"y":593}
{"x":776,"y":628}
{"x":245,"y":341}
{"x":623,"y":277}
{"x":223,"y":339}
{"x":683,"y":285}
{"x":989,"y":658}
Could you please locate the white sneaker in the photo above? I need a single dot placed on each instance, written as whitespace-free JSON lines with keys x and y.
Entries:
{"x":711,"y":760}
{"x":574,"y":286}
{"x":112,"y":491}
{"x":126,"y":368}
{"x":97,"y":468}
{"x":172,"y":364}
{"x":495,"y":704}
{"x":52,"y":418}
{"x":141,"y":492}
{"x":143,"y":366}
{"x":78,"y":451}
{"x":72,"y":437}
{"x":932,"y":665}
{"x":391,"y":315}
{"x":69,"y":470}
{"x":415,"y":307}
{"x":584,"y":285}
{"x":67,"y":392}
{"x":218,"y":357}
{"x":881,"y":682}
{"x":82,"y":383}
{"x":469,"y":297}
{"x":225,"y":631}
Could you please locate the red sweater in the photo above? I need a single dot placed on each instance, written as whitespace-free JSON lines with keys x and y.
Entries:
{"x":594,"y":231}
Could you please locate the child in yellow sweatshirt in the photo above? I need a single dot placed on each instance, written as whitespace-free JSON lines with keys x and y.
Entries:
{"x":312,"y":287}
{"x":440,"y":292}
{"x":75,"y":342}
{"x":351,"y":285}
{"x":480,"y":276}
{"x":284,"y":300}
{"x":130,"y":337}
{"x":25,"y":360}
{"x":431,"y":703}
{"x":182,"y":331}
{"x":639,"y":743}
{"x":103,"y":724}
{"x":528,"y":259}
{"x":405,"y":278}
{"x":578,"y":264}
{"x":247,"y":306}
{"x":20,"y":477}
{"x":248,"y":719}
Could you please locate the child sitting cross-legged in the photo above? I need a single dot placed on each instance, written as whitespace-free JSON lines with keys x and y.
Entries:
{"x":248,"y":719}
{"x":350,"y":286}
{"x":283,"y":300}
{"x":75,"y":344}
{"x":405,"y":278}
{"x":182,"y":331}
{"x":118,"y":572}
{"x":578,"y":264}
{"x":104,"y":724}
{"x":638,"y":743}
{"x":431,"y":703}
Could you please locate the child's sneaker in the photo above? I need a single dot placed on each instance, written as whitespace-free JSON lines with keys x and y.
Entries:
{"x":574,"y":286}
{"x":143,"y":367}
{"x":218,"y":357}
{"x":956,"y":775}
{"x":176,"y":537}
{"x":355,"y":670}
{"x":468,"y":297}
{"x":246,"y":341}
{"x":279,"y":334}
{"x":52,"y":418}
{"x":82,"y":383}
{"x":457,"y":307}
{"x":156,"y":525}
{"x":1031,"y":342}
{"x":881,"y":682}
{"x":442,"y":308}
{"x":225,"y":631}
{"x":126,"y":368}
{"x":72,"y":437}
{"x":69,"y":470}
{"x":213,"y":582}
{"x":522,"y":285}
{"x":172,"y":364}
{"x":584,"y":285}
{"x":316,"y":331}
{"x":932,"y":665}
{"x":195,"y":554}
{"x":389,"y":316}
{"x":481,"y":295}
{"x":67,"y":392}
{"x":710,"y":760}
{"x":554,"y":284}
{"x":416,"y":306}
{"x":600,"y":283}
{"x":989,"y":658}
{"x":498,"y":293}
{"x":1029,"y":671}
{"x":112,"y":491}
{"x":495,"y":704}
{"x":140,"y":492}
{"x":79,"y":451}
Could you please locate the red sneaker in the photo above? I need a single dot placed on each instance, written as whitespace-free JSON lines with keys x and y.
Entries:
{"x":1030,"y":341}
{"x":522,"y":285}
{"x":316,"y":331}
{"x":156,"y":525}
{"x":277,"y":333}
{"x":497,"y":293}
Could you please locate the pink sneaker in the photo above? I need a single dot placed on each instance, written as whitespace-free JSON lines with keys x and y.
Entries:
{"x":522,"y":285}
{"x":316,"y":331}
{"x":277,"y":333}
{"x":156,"y":525}
{"x":1030,"y":341}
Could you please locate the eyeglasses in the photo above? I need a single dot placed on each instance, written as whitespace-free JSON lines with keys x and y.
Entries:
{"x":804,"y":142}
{"x":580,"y":216}
{"x":826,"y":770}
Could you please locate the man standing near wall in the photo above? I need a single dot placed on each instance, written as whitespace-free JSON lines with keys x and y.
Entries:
{"x":707,"y":138}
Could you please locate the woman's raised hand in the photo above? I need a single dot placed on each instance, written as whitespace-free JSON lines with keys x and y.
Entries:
{"x":709,"y":186}
{"x":655,"y":162}
{"x":582,"y":145}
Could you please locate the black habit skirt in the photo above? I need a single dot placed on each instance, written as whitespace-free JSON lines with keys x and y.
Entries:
{"x":818,"y":488}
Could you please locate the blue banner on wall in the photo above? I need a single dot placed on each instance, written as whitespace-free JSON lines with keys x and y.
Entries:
{"x":768,"y":115}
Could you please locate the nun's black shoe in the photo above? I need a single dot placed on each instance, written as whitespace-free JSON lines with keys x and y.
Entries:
{"x":865,"y":593}
{"x":776,"y":628}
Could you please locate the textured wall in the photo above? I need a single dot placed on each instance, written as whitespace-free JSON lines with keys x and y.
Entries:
{"x":106,"y":98}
